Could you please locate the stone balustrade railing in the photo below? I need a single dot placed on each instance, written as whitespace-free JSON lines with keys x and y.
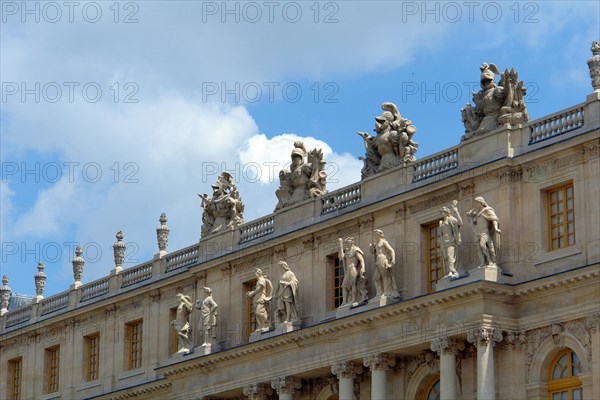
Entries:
{"x":19,"y":316}
{"x":258,"y":228}
{"x":340,"y":198}
{"x":94,"y":289}
{"x":55,"y":303}
{"x":436,"y":164}
{"x":556,"y":124}
{"x":137,"y":274}
{"x":182,"y":258}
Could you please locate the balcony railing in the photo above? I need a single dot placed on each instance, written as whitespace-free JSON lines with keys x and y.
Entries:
{"x":340,"y":198}
{"x":136,"y":274}
{"x":256,"y":229}
{"x":182,"y":258}
{"x":54,"y":303}
{"x":19,"y":316}
{"x":94,"y":289}
{"x":557,"y":124}
{"x":436,"y":164}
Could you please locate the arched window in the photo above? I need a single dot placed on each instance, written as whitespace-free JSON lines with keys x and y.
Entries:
{"x":563,"y":381}
{"x":432,"y":392}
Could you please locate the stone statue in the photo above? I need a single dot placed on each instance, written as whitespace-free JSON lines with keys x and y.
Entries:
{"x":287,"y":297}
{"x":224,"y":210}
{"x":261,"y":298}
{"x":495,"y":104}
{"x":354,"y":285}
{"x":594,"y":65}
{"x":304,"y":179}
{"x":393,"y":144}
{"x":182,"y":323}
{"x":385,"y":258}
{"x":450,"y":237}
{"x":208,"y":315}
{"x":487,"y":232}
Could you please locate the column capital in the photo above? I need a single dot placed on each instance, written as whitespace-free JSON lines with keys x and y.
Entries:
{"x":286,"y":384}
{"x":346,"y":369}
{"x":485,"y":334}
{"x":447,"y":345}
{"x":379,"y":361}
{"x":257,"y":391}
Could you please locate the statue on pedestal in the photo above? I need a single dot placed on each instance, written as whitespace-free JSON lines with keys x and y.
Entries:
{"x":261,"y":298}
{"x":393,"y":144}
{"x":354,"y":285}
{"x":450,"y":238}
{"x":287,"y":297}
{"x":208,"y":315}
{"x":224,"y":210}
{"x":495,"y":104}
{"x":181,"y":324}
{"x":304,"y":180}
{"x":385,"y":258}
{"x":487,"y":231}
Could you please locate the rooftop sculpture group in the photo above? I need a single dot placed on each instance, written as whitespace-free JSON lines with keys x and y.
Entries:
{"x":495,"y":104}
{"x":224,"y":210}
{"x":392,"y":145}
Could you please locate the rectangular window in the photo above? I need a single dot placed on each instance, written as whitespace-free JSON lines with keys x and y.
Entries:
{"x":337,"y":277}
{"x":251,"y":319}
{"x":561,"y":217}
{"x":52,"y":359}
{"x":15,"y":368}
{"x":134,"y":335}
{"x":93,"y":356}
{"x":435,"y":269}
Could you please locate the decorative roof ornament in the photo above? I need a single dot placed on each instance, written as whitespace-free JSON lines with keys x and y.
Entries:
{"x":40,"y":281}
{"x":594,"y":65}
{"x":119,"y":252}
{"x":225,"y":209}
{"x":162,"y":235}
{"x":78,"y":263}
{"x":495,"y":104}
{"x":5,"y":293}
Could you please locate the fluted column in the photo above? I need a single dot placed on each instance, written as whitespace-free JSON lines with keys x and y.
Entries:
{"x":258,"y":391}
{"x":379,"y":365}
{"x":286,"y":386}
{"x":346,"y":371}
{"x":447,"y":348}
{"x":485,"y":338}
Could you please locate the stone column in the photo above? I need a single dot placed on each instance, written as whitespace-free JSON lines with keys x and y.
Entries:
{"x":485,"y":338}
{"x":346,"y":371}
{"x":258,"y":391}
{"x":286,"y":386}
{"x":447,"y":348}
{"x":379,"y":365}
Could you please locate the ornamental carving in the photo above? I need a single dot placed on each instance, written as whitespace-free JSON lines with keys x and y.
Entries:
{"x":380,"y":361}
{"x":487,"y":335}
{"x":225,"y":209}
{"x":347,"y":369}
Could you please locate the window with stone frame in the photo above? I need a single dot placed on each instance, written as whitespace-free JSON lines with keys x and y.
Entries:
{"x":563,"y":379}
{"x":432,"y":390}
{"x":52,"y":362}
{"x":561,"y":217}
{"x":92,"y":344}
{"x":15,"y":370}
{"x":249,"y":307}
{"x":337,"y":277}
{"x":133,"y":332}
{"x":433,"y":255}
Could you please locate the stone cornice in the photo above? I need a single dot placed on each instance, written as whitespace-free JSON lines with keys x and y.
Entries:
{"x":135,"y":392}
{"x":561,"y":281}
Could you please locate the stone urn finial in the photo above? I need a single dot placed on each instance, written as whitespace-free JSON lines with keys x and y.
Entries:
{"x":162,"y":235}
{"x":40,"y":281}
{"x":4,"y":295}
{"x":594,"y":65}
{"x":119,"y":251}
{"x":78,"y":263}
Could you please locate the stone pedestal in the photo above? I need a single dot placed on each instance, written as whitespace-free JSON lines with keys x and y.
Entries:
{"x":259,"y":335}
{"x":375,"y":302}
{"x":286,"y":327}
{"x":207,"y":349}
{"x":491,"y":274}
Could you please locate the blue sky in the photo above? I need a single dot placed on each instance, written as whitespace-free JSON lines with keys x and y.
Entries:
{"x":112,"y":113}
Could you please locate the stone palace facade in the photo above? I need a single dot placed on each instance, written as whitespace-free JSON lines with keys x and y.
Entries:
{"x":470,"y":273}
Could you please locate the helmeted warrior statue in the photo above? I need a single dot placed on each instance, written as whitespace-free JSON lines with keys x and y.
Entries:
{"x":354,"y":285}
{"x":304,"y":180}
{"x":181,"y":323}
{"x":393,"y":144}
{"x":486,"y":226}
{"x":495,"y":104}
{"x":225,"y":209}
